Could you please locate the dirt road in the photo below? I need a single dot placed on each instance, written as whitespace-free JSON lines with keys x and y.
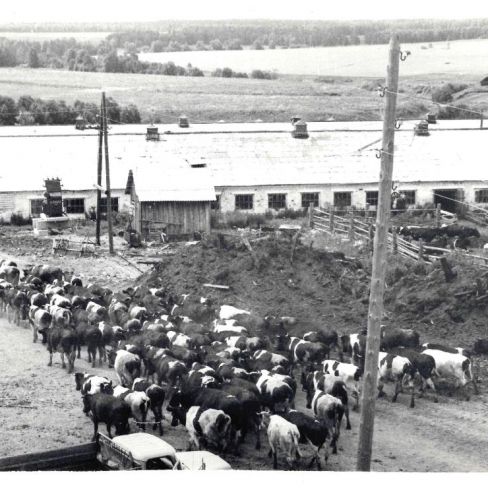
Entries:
{"x":40,"y":409}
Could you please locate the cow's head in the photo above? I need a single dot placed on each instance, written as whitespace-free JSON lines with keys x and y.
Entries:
{"x":221,"y":430}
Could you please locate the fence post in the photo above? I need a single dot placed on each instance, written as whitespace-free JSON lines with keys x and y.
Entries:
{"x":421,"y":249}
{"x":331,"y":219}
{"x":310,"y":215}
{"x":351,"y":228}
{"x":438,"y":215}
{"x":394,"y":240}
{"x":371,"y":236}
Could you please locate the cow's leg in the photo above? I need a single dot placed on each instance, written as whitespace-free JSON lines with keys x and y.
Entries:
{"x":348,"y":423}
{"x":50,"y":363}
{"x":275,"y":460}
{"x":398,"y":389}
{"x":381,"y":385}
{"x":93,"y":356}
{"x":63,"y":364}
{"x":71,"y":361}
{"x":101,"y":355}
{"x":475,"y":386}
{"x":95,"y":428}
{"x":430,"y":383}
{"x":257,"y":425}
{"x":412,"y":397}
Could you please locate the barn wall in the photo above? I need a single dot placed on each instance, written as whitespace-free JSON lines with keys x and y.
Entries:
{"x":19,"y":202}
{"x":424,"y":193}
{"x":178,"y":217}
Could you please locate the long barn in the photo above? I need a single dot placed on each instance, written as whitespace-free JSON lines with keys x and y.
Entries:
{"x":251,"y":167}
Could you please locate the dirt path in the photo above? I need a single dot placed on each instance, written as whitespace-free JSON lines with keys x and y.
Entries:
{"x":40,"y":409}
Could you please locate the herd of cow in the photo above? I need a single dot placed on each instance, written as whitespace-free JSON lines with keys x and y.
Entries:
{"x":223,"y":372}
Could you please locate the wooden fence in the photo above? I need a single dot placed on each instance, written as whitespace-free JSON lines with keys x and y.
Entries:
{"x":355,"y":228}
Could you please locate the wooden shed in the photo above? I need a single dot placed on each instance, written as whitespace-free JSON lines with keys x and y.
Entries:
{"x":176,"y":203}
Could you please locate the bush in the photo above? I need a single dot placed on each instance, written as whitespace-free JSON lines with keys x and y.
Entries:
{"x":19,"y":219}
{"x":263,"y":75}
{"x":444,"y":93}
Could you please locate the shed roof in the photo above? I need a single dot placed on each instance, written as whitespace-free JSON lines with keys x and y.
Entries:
{"x":238,"y":155}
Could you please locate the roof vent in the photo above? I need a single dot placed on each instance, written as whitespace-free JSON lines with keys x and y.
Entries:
{"x":183,"y":122}
{"x":422,"y":128}
{"x":431,"y":118}
{"x":300,"y":130}
{"x":152,"y":134}
{"x":295,"y":119}
{"x":80,"y":122}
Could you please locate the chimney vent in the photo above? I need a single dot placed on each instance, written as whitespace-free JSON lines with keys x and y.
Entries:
{"x":183,"y":122}
{"x":152,"y":134}
{"x":300,"y":130}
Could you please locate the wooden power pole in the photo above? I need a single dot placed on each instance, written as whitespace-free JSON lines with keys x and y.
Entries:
{"x":99,"y":171}
{"x":107,"y":175}
{"x":368,"y":398}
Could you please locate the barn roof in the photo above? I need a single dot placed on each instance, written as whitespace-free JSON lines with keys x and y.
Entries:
{"x":238,"y":155}
{"x":173,"y":181}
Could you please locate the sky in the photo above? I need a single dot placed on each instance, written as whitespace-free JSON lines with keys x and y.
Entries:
{"x":147,"y":10}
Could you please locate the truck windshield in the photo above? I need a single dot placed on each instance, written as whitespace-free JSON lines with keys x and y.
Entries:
{"x":160,"y":463}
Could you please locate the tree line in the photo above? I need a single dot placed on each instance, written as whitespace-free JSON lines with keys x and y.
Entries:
{"x":266,"y":32}
{"x":36,"y":111}
{"x":69,"y":54}
{"x":259,"y":34}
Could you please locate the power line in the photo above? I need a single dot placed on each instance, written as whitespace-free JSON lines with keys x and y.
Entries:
{"x":404,"y":95}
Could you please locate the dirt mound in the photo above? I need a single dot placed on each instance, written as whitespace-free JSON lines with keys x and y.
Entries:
{"x":453,"y":313}
{"x":323,"y":288}
{"x":319,"y":288}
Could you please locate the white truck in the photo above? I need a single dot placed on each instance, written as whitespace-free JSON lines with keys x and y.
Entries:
{"x":142,"y":451}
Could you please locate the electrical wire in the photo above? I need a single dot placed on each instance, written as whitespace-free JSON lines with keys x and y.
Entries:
{"x":404,"y":95}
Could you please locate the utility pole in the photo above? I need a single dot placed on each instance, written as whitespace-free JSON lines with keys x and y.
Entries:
{"x":368,"y":398}
{"x":107,"y":174}
{"x":99,"y":172}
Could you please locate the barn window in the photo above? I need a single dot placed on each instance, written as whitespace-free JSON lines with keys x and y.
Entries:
{"x":36,"y":207}
{"x":342,"y":199}
{"x":410,"y":196}
{"x":277,"y":200}
{"x":308,"y":198}
{"x":74,"y":205}
{"x":481,"y":196}
{"x":216,"y":204}
{"x":244,"y":202}
{"x":115,"y":204}
{"x":372,"y":198}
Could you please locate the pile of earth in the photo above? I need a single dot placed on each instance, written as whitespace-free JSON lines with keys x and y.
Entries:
{"x":324,"y":288}
{"x":454,"y":312}
{"x":319,"y":288}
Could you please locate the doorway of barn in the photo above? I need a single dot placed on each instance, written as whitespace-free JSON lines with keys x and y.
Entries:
{"x":447,"y":198}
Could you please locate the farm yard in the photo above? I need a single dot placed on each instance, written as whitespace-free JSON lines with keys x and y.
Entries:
{"x":42,"y":410}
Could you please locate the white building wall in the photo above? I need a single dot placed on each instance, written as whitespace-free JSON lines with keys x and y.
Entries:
{"x":21,"y":201}
{"x":424,"y":193}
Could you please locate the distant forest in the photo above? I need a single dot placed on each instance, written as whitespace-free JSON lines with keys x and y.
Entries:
{"x":118,"y":52}
{"x":206,"y":34}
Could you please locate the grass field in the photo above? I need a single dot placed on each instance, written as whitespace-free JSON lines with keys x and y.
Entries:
{"x":456,"y":57}
{"x":233,"y":100}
